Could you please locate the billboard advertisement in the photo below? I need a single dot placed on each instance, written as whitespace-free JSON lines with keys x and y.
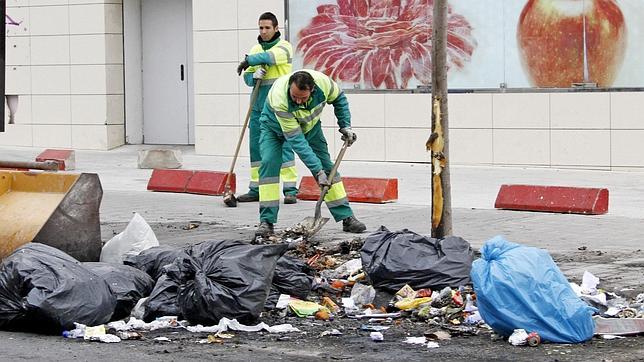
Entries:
{"x":386,"y":44}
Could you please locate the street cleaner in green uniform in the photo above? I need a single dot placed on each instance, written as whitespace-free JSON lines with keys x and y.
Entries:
{"x":268,"y":60}
{"x":292,"y":115}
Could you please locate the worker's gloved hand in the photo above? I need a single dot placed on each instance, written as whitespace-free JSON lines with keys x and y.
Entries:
{"x":242,"y":66}
{"x":259,"y":73}
{"x":323,"y":179}
{"x":348,"y":134}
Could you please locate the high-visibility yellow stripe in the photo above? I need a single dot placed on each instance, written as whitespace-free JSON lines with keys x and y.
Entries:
{"x":336,"y":192}
{"x":269,"y":192}
{"x":254,"y":174}
{"x":288,"y":174}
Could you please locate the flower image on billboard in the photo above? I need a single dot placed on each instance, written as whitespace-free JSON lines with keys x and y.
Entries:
{"x":380,"y":43}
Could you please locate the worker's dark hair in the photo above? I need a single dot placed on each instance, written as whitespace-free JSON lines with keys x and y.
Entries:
{"x":269,"y":16}
{"x":303,"y":80}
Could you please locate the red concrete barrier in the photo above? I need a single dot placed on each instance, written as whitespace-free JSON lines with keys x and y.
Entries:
{"x":562,"y":199}
{"x":170,"y":180}
{"x":66,"y":159}
{"x":210,"y":183}
{"x":359,"y":189}
{"x":189,"y":181}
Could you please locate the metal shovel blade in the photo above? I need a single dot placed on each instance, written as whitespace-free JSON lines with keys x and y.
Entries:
{"x":310,"y":225}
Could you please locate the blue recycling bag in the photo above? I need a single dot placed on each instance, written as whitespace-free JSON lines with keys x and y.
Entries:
{"x":522,"y":287}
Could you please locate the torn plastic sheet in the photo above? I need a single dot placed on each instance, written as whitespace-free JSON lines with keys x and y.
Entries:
{"x":136,"y":237}
{"x":232,"y":324}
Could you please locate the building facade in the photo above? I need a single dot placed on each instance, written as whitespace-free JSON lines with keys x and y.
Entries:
{"x":97,"y":74}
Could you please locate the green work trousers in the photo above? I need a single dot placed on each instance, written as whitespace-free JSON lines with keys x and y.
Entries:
{"x":288,"y":171}
{"x":271,"y":144}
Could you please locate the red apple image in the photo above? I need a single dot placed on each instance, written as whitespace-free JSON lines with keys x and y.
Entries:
{"x":567,"y":41}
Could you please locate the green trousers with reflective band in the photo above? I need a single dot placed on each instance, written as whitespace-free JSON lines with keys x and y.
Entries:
{"x":271,"y":143}
{"x":288,"y":171}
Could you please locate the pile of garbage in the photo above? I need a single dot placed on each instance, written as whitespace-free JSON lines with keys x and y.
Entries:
{"x":388,"y":279}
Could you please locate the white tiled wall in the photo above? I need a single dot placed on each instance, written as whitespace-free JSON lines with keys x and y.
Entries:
{"x":65,"y":62}
{"x":578,"y":129}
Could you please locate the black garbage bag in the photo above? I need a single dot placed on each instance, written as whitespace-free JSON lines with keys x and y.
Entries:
{"x":225,"y":279}
{"x":127,"y":283}
{"x":163,"y":300}
{"x":293,"y":277}
{"x":393,"y":259}
{"x":44,"y":290}
{"x":272,"y":299}
{"x":153,"y":260}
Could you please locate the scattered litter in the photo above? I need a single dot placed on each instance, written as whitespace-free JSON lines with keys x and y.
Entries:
{"x":124,"y":335}
{"x":362,"y":294}
{"x":415,"y":340}
{"x":406,"y":292}
{"x":377,"y":337}
{"x":370,"y":328}
{"x":77,"y":332}
{"x":322,"y":314}
{"x":588,"y":290}
{"x":589,"y":283}
{"x":438,"y":336}
{"x":163,"y":339}
{"x":330,"y":304}
{"x":432,"y":345}
{"x":347,"y":269}
{"x":611,"y":336}
{"x":349,"y":305}
{"x":282,"y":302}
{"x":303,"y":308}
{"x":619,"y":326}
{"x":95,"y":331}
{"x":407,"y":304}
{"x":106,"y":338}
{"x":518,"y":338}
{"x":474,"y":318}
{"x":376,"y":315}
{"x":331,"y":332}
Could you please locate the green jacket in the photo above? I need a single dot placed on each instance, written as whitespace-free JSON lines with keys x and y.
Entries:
{"x":275,"y":56}
{"x":295,"y":121}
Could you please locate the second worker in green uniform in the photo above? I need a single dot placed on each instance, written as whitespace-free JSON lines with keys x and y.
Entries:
{"x":291,"y":115}
{"x":267,"y":60}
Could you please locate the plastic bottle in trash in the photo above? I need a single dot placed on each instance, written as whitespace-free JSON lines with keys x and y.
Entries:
{"x":74,"y":333}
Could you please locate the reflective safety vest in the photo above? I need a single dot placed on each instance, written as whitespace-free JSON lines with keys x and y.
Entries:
{"x":293,"y":118}
{"x":296,"y":120}
{"x":276,"y":60}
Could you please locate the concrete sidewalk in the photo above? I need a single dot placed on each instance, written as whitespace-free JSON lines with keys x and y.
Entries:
{"x":474,"y":190}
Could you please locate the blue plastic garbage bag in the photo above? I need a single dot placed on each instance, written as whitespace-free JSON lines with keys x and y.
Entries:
{"x":521,"y":287}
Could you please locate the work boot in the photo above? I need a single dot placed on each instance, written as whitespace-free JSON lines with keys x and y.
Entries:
{"x":248,"y":198}
{"x":290,"y":199}
{"x":264,"y":230}
{"x":353,"y":225}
